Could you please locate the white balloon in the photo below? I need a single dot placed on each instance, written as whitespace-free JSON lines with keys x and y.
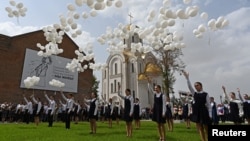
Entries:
{"x":76,"y":16}
{"x":78,"y":32}
{"x":22,"y":14}
{"x":100,"y":1}
{"x":193,"y":12}
{"x":167,"y":3}
{"x":225,"y":23}
{"x":8,"y":9}
{"x":202,"y":28}
{"x":84,"y":15}
{"x":171,"y":22}
{"x":10,"y":15}
{"x":40,"y":53}
{"x":181,"y":14}
{"x":204,"y":15}
{"x":15,"y":13}
{"x":71,"y":7}
{"x":109,"y":3}
{"x":70,"y":20}
{"x":19,"y":5}
{"x":118,"y":3}
{"x":186,"y":1}
{"x":79,"y":2}
{"x":90,"y":3}
{"x":196,"y":32}
{"x":98,"y":6}
{"x":211,"y":23}
{"x":13,"y":3}
{"x":152,"y":13}
{"x":74,"y":25}
{"x":164,"y":24}
{"x":218,"y":24}
{"x":199,"y":35}
{"x":169,"y":13}
{"x":93,"y":13}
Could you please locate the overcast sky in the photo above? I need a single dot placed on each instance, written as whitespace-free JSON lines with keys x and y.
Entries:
{"x":220,"y":57}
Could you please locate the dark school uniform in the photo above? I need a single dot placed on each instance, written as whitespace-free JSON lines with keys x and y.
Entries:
{"x":200,"y":112}
{"x":157,"y":109}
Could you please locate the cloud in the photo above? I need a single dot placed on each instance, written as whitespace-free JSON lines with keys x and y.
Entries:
{"x":12,"y":29}
{"x":225,"y":61}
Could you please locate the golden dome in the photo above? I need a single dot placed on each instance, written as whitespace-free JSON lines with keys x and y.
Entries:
{"x":142,"y":76}
{"x":152,"y":69}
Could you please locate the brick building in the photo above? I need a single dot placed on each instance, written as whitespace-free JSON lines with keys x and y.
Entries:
{"x":12,"y":54}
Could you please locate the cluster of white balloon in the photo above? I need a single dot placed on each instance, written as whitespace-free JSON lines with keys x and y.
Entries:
{"x":157,"y":35}
{"x":31,"y":81}
{"x":56,"y":83}
{"x":69,"y":24}
{"x":19,"y":9}
{"x":54,"y":34}
{"x":213,"y":25}
{"x":54,"y":38}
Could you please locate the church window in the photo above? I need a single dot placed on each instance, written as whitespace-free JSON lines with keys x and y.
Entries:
{"x":132,"y":67}
{"x":115,"y":68}
{"x":115,"y":86}
{"x":112,"y":88}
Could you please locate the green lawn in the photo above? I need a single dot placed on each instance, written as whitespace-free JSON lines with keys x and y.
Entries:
{"x":80,"y":132}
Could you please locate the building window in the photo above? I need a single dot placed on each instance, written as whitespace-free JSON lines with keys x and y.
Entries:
{"x":132,"y":67}
{"x":105,"y":74}
{"x":115,"y":68}
{"x":115,"y":86}
{"x":111,"y":87}
{"x":133,"y":39}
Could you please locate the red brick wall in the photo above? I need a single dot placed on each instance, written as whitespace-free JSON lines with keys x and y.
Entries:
{"x":12,"y":53}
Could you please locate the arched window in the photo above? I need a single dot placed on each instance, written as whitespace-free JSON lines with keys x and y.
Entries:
{"x":115,"y":86}
{"x":111,"y":87}
{"x":132,"y":67}
{"x":115,"y":68}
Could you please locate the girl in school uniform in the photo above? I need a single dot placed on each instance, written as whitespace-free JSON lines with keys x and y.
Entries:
{"x":159,"y":111}
{"x":137,"y":113}
{"x":93,"y":112}
{"x":51,"y":108}
{"x":128,"y":109}
{"x":235,"y":107}
{"x":202,"y":111}
{"x":246,"y":106}
{"x":37,"y":110}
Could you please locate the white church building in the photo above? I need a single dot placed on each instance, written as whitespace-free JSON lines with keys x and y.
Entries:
{"x":132,"y":72}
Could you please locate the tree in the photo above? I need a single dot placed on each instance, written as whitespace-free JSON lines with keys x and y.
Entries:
{"x":95,"y":85}
{"x":169,"y":61}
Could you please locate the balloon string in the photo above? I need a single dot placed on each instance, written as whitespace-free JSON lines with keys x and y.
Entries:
{"x":209,"y":39}
{"x":17,"y":21}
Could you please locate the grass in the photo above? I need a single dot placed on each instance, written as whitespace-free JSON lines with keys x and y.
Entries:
{"x":80,"y":132}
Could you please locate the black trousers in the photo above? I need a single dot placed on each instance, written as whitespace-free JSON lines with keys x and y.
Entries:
{"x":67,"y":119}
{"x":50,"y":118}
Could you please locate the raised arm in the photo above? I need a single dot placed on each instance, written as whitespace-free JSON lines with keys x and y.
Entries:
{"x":96,"y":107}
{"x":186,"y":74}
{"x":225,"y":93}
{"x":87,"y":100}
{"x":119,"y":92}
{"x":25,"y":99}
{"x":104,"y":100}
{"x":34,"y":100}
{"x":238,"y":89}
{"x":150,"y":88}
{"x":63,"y":96}
{"x":46,"y":96}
